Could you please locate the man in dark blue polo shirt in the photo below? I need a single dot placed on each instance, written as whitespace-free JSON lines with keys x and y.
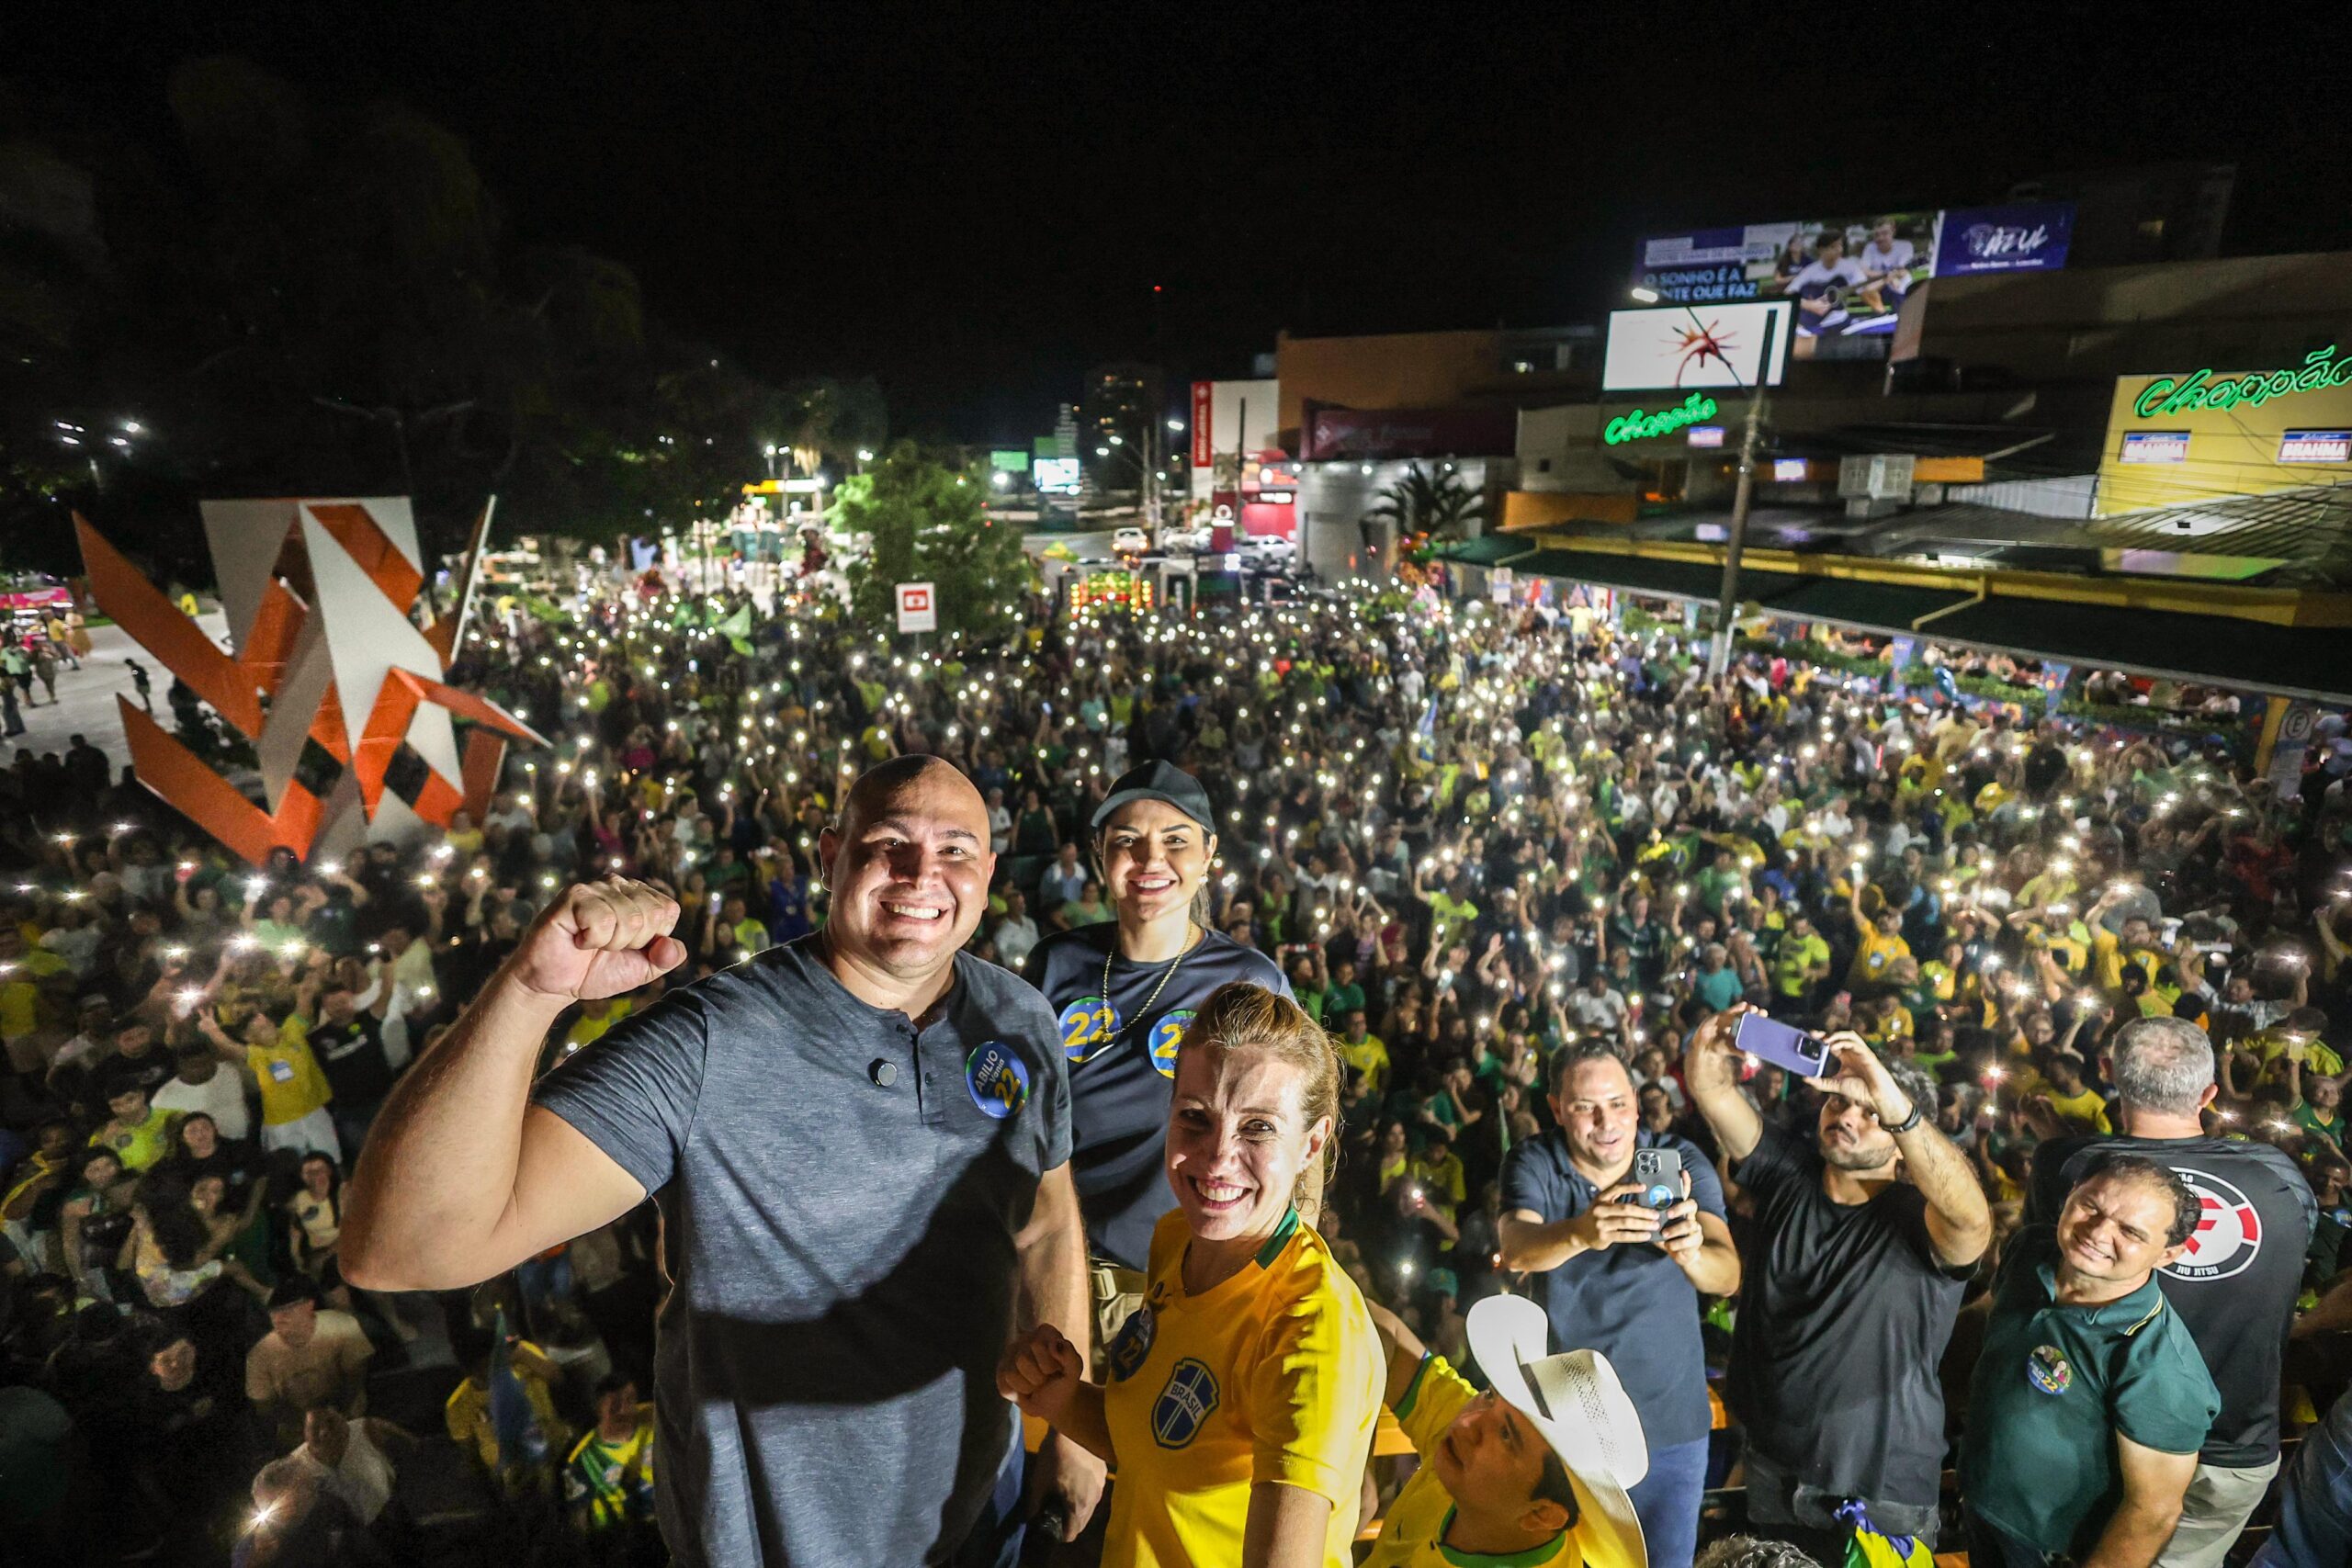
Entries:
{"x":859,"y":1146}
{"x":1621,"y":1278}
{"x":2090,"y":1399}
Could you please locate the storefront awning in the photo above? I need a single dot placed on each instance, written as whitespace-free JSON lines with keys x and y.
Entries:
{"x":2314,"y":662}
{"x":1487,"y":549}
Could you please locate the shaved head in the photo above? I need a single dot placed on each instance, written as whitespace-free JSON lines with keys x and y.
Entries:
{"x":881,"y":785}
{"x":909,"y":868}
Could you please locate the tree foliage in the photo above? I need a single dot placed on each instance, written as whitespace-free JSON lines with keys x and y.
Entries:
{"x":922,"y":520}
{"x":1438,"y":504}
{"x":317,"y":294}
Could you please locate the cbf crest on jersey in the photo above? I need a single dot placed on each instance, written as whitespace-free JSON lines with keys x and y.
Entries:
{"x":1088,"y":1024}
{"x":2228,"y":1236}
{"x":1184,"y":1404}
{"x":998,"y":1078}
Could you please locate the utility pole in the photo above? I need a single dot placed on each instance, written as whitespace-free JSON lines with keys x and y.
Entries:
{"x":1727,"y":601}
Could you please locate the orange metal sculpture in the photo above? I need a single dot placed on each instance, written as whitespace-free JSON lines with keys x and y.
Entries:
{"x":332,"y":680}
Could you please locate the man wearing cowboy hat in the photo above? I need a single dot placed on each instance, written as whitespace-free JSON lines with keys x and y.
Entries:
{"x":1532,"y":1474}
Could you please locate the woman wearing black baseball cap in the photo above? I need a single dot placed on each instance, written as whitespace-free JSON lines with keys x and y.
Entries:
{"x":1124,"y":991}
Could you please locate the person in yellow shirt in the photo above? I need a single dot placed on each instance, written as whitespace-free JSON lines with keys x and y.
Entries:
{"x":1878,"y":943}
{"x":467,"y":1413}
{"x":139,"y":1134}
{"x":1366,"y":1053}
{"x":1243,"y":1390}
{"x":294,"y":1091}
{"x":1501,"y":1484}
{"x":2071,"y":1096}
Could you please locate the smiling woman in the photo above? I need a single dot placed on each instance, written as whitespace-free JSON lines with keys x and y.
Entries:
{"x":1244,"y":1389}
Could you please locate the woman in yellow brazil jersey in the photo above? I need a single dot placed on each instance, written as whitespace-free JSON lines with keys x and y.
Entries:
{"x":1243,"y":1392}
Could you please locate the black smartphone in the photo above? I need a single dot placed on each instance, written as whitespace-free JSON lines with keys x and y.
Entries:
{"x":1660,"y":1173}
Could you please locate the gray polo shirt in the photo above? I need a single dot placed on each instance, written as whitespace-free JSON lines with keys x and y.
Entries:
{"x":841,"y":1250}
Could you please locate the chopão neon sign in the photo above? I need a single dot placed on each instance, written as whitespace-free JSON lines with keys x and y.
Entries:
{"x":1638,"y":425}
{"x":2170,"y":395}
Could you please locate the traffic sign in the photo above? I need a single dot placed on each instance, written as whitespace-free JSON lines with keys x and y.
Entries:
{"x":918,"y":609}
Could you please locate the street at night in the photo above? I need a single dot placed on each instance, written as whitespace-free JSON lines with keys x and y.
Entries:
{"x":1136,"y":789}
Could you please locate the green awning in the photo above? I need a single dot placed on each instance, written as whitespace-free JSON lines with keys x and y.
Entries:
{"x":1854,"y":602}
{"x":2293,"y":661}
{"x":1699,"y":581}
{"x":2313,"y":663}
{"x":1486,"y":549}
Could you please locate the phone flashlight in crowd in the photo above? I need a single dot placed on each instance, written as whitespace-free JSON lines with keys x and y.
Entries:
{"x":1405,"y":1269}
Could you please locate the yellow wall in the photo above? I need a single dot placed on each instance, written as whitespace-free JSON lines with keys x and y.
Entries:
{"x":2232,"y":451}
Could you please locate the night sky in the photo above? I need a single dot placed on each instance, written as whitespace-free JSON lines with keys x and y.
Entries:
{"x":974,"y":204}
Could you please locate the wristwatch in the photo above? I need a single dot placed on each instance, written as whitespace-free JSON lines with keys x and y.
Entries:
{"x":1907,"y":1122}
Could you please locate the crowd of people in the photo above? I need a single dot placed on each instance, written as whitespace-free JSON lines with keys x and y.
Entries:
{"x":2040,"y":1260}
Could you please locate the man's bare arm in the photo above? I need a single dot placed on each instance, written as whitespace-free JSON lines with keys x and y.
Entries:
{"x":462,"y":1177}
{"x":2153,"y":1485}
{"x":1708,"y":1069}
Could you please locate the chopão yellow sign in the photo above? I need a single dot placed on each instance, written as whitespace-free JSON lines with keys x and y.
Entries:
{"x":2164,"y":449}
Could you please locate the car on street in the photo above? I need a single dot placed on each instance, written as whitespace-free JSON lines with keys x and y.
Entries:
{"x":1266,"y":550}
{"x":1130,"y":541}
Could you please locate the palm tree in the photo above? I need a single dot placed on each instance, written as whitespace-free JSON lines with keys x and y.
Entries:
{"x":1438,"y":504}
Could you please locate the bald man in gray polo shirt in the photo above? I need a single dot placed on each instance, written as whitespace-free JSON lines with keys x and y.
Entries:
{"x":859,"y":1144}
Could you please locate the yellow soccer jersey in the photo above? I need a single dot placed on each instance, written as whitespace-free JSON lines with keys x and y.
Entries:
{"x":1413,"y":1535}
{"x":1273,"y":1375}
{"x":291,"y":1084}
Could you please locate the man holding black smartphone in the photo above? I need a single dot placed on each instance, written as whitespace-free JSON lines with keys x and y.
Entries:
{"x":1623,"y":1230}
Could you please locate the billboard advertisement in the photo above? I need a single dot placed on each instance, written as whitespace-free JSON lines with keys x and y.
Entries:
{"x":1696,"y":346}
{"x":1848,"y":276}
{"x":2029,"y":236}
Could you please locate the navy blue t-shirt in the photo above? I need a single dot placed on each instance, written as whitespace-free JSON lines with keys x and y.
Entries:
{"x":1628,"y":1301}
{"x":1122,"y":1061}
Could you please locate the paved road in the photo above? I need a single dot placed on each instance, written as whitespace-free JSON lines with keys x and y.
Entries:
{"x":85,"y":697}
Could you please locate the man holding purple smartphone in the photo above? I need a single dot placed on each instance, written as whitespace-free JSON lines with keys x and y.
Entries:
{"x":1852,"y":1273}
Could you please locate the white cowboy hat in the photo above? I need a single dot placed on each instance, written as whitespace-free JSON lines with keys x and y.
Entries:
{"x":1575,"y":1401}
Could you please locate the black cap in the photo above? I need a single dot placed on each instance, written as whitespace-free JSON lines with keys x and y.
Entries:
{"x":1158,"y":781}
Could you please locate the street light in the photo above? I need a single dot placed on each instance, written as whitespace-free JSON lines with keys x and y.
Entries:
{"x":1727,"y":597}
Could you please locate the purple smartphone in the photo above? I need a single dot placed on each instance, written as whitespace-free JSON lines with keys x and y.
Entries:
{"x":1770,"y":1040}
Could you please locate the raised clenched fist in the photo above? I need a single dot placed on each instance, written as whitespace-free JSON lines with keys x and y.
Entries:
{"x":597,"y":940}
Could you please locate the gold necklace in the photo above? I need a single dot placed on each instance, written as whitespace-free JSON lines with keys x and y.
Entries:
{"x":1191,"y":941}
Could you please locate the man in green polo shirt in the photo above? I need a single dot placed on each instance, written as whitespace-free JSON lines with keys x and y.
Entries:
{"x":2090,"y":1399}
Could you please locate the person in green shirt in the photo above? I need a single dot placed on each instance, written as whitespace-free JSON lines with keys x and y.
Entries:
{"x":1307,"y":986}
{"x":2090,"y":1399}
{"x":1715,"y":880}
{"x":2319,"y":1109}
{"x":1346,"y":996}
